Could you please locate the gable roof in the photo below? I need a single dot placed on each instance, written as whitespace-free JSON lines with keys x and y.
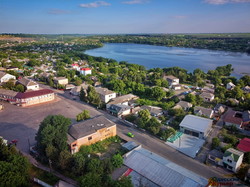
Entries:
{"x":85,"y":69}
{"x":195,"y":122}
{"x":27,"y":82}
{"x":89,"y":126}
{"x":119,"y":108}
{"x":170,"y":77}
{"x":184,"y":104}
{"x":244,"y":145}
{"x":30,"y":94}
{"x":2,"y":74}
{"x":235,"y":154}
{"x":206,"y":95}
{"x":203,"y":111}
{"x":123,"y":98}
{"x":8,"y":92}
{"x":152,"y":109}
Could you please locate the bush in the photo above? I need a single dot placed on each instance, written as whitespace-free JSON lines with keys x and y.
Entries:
{"x":215,"y":142}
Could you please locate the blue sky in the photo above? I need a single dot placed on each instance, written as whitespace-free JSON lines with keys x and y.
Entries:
{"x":124,"y":16}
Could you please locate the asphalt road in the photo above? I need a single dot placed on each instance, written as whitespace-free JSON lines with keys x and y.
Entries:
{"x":23,"y":123}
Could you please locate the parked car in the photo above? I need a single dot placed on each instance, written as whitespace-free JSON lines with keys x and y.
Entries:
{"x":130,"y":134}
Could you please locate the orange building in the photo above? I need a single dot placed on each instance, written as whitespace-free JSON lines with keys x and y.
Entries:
{"x":89,"y":132}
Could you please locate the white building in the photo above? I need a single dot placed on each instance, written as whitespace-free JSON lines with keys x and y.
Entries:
{"x":232,"y":159}
{"x":29,"y":84}
{"x":5,"y":77}
{"x":196,"y":126}
{"x":105,"y":94}
{"x":230,"y":86}
{"x":172,"y":80}
{"x":76,"y":67}
{"x":85,"y":71}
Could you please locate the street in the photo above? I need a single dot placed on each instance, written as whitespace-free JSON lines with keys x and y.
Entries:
{"x":23,"y":123}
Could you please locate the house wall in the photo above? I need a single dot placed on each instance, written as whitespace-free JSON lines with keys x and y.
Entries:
{"x":107,"y":98}
{"x":88,"y":72}
{"x":62,"y":82}
{"x":33,"y":87}
{"x":7,"y":77}
{"x":35,"y":100}
{"x":235,"y":165}
{"x":202,"y":135}
{"x":126,"y":112}
{"x":99,"y":135}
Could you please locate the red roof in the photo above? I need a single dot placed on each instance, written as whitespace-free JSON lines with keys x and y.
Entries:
{"x":75,"y":64}
{"x":230,"y":118}
{"x":30,"y":94}
{"x":244,"y":145}
{"x":85,"y":69}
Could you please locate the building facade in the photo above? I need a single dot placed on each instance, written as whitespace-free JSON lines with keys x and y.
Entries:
{"x":5,"y":77}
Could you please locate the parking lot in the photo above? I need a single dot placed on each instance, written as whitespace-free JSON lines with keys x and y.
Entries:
{"x":22,"y":123}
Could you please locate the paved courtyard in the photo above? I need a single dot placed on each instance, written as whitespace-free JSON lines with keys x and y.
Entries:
{"x":189,"y":145}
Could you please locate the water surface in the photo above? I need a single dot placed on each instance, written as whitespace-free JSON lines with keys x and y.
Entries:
{"x":159,"y":56}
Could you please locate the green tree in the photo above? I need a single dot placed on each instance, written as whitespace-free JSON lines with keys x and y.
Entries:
{"x":95,"y":166}
{"x":93,"y":97}
{"x":124,"y":182}
{"x":82,"y":95}
{"x":215,"y":142}
{"x":157,"y":93}
{"x":83,"y":115}
{"x":190,"y":98}
{"x":52,"y":136}
{"x":117,"y":160}
{"x":19,"y":88}
{"x":153,"y":125}
{"x":91,"y":179}
{"x":78,"y":164}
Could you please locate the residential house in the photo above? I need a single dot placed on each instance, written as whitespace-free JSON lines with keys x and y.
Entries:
{"x":219,"y":109}
{"x":246,"y":119}
{"x":196,"y":126}
{"x":184,"y":105}
{"x":122,"y":100}
{"x":76,"y":67}
{"x":105,"y":94}
{"x":5,"y":77}
{"x":246,"y":89}
{"x":89,"y":132}
{"x":8,"y":95}
{"x":232,"y":117}
{"x":119,"y":110}
{"x":244,"y":145}
{"x":69,"y":86}
{"x":85,"y":71}
{"x":154,"y":111}
{"x":76,"y":90}
{"x":232,"y":159}
{"x":172,"y":80}
{"x":201,"y":111}
{"x":215,"y":157}
{"x":34,"y":97}
{"x":207,"y":97}
{"x":230,"y":86}
{"x":61,"y":81}
{"x":28,"y":84}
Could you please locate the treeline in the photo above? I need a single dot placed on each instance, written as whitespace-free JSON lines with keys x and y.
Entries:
{"x":223,"y":42}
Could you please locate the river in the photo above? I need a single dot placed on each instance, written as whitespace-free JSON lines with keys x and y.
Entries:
{"x":152,"y":56}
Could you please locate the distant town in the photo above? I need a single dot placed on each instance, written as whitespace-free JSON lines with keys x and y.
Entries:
{"x":70,"y":119}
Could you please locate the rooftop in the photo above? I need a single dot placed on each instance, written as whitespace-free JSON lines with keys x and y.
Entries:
{"x":231,"y":117}
{"x":235,"y":154}
{"x":123,"y":98}
{"x":246,"y":116}
{"x":206,"y":95}
{"x":195,"y":122}
{"x":184,"y":104}
{"x":244,"y":145}
{"x":2,"y":74}
{"x":27,"y":82}
{"x":203,"y":111}
{"x":8,"y":92}
{"x":171,"y":77}
{"x":103,"y":91}
{"x":60,"y":78}
{"x":85,"y":69}
{"x":30,"y":94}
{"x":161,"y":171}
{"x":89,"y":126}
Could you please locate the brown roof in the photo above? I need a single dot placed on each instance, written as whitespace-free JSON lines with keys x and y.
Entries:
{"x":36,"y":93}
{"x":8,"y":92}
{"x":27,"y":82}
{"x":230,"y":117}
{"x":171,"y":77}
{"x":103,"y":91}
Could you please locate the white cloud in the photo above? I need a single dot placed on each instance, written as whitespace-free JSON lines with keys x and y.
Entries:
{"x":132,"y":2}
{"x":221,"y":2}
{"x":95,"y":4}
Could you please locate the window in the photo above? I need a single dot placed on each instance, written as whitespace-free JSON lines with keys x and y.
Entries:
{"x":74,"y":145}
{"x":228,"y":160}
{"x":90,"y":138}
